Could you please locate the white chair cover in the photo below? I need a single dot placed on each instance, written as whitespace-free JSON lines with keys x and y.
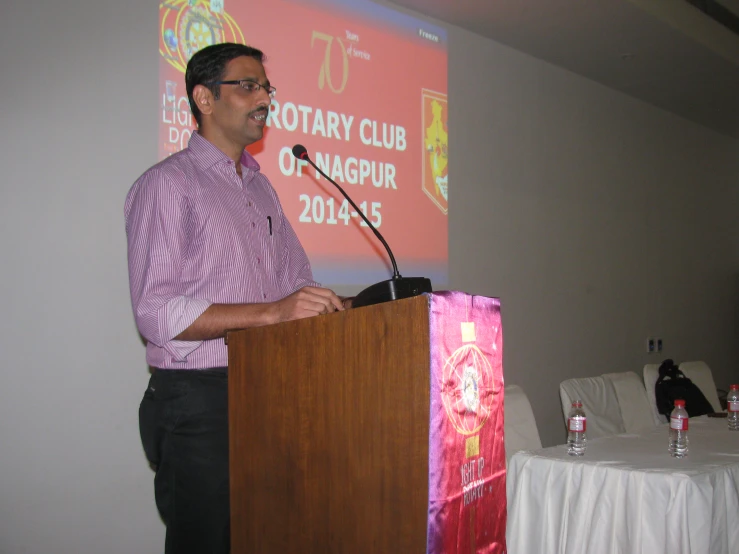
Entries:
{"x":521,"y":432}
{"x":651,"y":374}
{"x":599,"y":402}
{"x":632,"y":399}
{"x":701,"y":375}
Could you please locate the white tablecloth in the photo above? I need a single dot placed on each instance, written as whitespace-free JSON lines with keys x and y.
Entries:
{"x":627,"y":495}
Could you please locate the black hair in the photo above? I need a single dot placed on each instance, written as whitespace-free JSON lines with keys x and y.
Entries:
{"x":209,"y":65}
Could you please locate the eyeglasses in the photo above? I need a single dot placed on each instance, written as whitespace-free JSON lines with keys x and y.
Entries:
{"x":249,"y":86}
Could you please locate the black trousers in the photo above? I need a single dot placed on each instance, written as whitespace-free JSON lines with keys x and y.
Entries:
{"x":183,"y":419}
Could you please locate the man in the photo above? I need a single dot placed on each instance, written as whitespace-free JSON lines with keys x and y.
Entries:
{"x":209,"y":249}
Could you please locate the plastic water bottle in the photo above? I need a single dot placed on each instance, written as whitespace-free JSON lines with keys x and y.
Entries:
{"x":732,"y":405}
{"x":576,"y":427}
{"x":679,"y":430}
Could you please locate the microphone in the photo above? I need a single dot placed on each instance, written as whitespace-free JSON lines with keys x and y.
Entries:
{"x":393,"y":289}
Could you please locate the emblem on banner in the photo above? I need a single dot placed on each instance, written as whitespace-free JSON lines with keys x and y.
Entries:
{"x":467,"y":385}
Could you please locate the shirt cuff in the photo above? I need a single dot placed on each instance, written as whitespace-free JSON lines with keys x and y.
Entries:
{"x":180,"y":349}
{"x":180,"y":313}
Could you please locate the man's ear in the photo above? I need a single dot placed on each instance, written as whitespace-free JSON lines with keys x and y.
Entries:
{"x":203,"y":98}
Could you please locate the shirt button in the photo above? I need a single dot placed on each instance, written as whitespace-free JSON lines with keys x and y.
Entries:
{"x":259,"y":260}
{"x":250,"y":204}
{"x":253,"y":224}
{"x":265,"y":296}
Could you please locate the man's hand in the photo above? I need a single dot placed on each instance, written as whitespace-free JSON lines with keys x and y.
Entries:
{"x":307,"y":302}
{"x":218,"y":318}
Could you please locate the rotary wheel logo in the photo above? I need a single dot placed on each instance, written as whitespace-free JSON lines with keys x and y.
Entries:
{"x":187,"y":26}
{"x":467,"y":389}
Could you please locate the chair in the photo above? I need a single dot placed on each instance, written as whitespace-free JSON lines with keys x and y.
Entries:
{"x":701,"y":375}
{"x":520,"y":428}
{"x":651,"y":374}
{"x":636,"y":412}
{"x":599,"y":402}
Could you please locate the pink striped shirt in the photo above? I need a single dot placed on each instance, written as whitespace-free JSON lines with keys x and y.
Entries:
{"x":199,"y":234}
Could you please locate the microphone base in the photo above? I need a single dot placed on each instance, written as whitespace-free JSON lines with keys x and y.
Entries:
{"x":393,"y":289}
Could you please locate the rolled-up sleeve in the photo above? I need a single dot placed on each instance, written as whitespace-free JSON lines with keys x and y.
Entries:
{"x":156,"y":215}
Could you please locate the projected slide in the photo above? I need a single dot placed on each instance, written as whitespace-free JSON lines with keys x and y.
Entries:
{"x":364,"y":89}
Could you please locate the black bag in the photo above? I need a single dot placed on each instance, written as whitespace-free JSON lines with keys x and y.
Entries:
{"x":671,"y":385}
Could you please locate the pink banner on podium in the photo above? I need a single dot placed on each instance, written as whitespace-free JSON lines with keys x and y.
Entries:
{"x":467,"y":472}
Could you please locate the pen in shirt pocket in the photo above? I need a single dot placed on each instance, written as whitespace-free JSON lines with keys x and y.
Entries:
{"x":269,"y":222}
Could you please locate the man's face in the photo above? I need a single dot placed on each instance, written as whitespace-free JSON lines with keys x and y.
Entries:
{"x":239,"y":115}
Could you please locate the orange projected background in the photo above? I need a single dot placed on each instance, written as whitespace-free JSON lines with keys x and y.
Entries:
{"x":364,"y":89}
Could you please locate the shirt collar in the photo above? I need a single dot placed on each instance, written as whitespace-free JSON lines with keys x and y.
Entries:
{"x":208,"y":154}
{"x":248,"y":161}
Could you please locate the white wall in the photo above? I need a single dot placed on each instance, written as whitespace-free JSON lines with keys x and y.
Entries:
{"x":597,"y":219}
{"x":77,"y":80}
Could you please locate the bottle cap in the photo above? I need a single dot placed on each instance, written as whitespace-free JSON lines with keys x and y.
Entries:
{"x":733,"y":387}
{"x":679,"y":403}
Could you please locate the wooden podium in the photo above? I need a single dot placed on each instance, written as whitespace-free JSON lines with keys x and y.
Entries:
{"x":329,"y":432}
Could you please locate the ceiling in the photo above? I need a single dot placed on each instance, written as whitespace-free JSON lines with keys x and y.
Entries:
{"x":665,"y":52}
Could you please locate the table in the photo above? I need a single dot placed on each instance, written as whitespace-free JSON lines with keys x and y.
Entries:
{"x":627,"y":495}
